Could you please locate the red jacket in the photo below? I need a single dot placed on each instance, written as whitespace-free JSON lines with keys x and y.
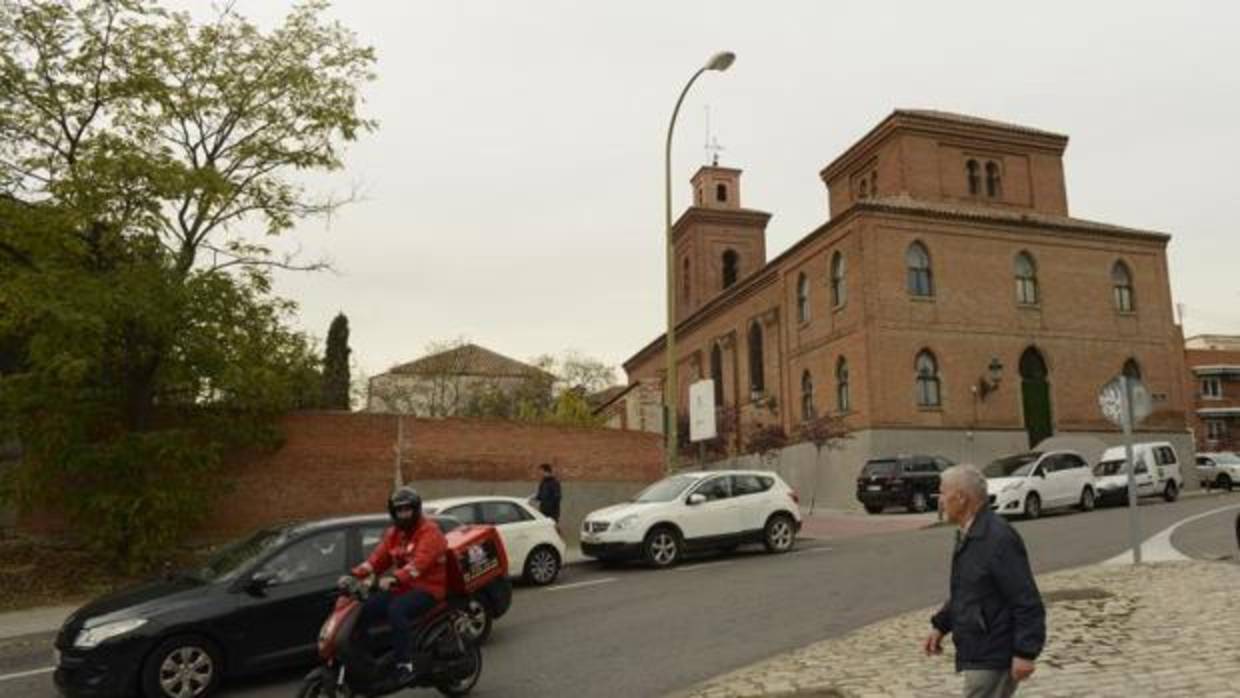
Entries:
{"x":417,"y":559}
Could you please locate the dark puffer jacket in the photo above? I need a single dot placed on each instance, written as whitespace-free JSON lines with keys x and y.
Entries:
{"x":995,"y":611}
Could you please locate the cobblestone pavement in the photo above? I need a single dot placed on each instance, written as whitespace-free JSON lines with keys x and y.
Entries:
{"x":1170,"y":630}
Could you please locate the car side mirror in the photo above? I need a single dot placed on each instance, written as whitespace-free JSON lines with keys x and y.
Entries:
{"x":695,"y":499}
{"x":1042,"y":474}
{"x":259,"y":582}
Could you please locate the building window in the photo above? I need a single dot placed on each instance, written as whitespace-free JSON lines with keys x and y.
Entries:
{"x":841,"y":385}
{"x":757,"y":366}
{"x":874,"y":183}
{"x":839,"y":289}
{"x":716,"y":373}
{"x":684,"y":280}
{"x":1132,"y":369}
{"x":1121,"y":282}
{"x":1216,"y":430}
{"x":864,"y":190}
{"x":1026,"y":280}
{"x":1212,"y":388}
{"x":973,"y":174}
{"x":807,"y":396}
{"x":803,"y":298}
{"x":920,"y":277}
{"x":730,"y":263}
{"x":721,"y":192}
{"x":928,"y":394}
{"x":993,"y":187}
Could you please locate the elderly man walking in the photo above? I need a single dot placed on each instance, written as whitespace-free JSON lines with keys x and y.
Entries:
{"x":995,"y":613}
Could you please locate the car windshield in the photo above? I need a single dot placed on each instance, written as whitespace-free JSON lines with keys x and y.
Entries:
{"x":879,"y":467}
{"x":666,"y":490}
{"x":229,"y":561}
{"x":1013,"y":466}
{"x":1110,"y":467}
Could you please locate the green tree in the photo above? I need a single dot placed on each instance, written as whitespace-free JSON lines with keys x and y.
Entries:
{"x":139,"y":153}
{"x":336,"y":365}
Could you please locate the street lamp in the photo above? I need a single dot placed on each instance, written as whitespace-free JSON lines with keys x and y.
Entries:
{"x":720,"y":61}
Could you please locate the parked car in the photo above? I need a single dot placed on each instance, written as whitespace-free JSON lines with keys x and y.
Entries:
{"x":1157,"y":472}
{"x":256,"y":605}
{"x":1221,"y":470}
{"x":535,"y":548}
{"x":692,"y":511}
{"x":1030,"y":483}
{"x":908,"y":481}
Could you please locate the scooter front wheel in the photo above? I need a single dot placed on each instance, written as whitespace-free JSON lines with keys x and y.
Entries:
{"x":319,"y":684}
{"x":463,"y":685}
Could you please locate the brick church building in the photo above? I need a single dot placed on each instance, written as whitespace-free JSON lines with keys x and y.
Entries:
{"x":949,"y":304}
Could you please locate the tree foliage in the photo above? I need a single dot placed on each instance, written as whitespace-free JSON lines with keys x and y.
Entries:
{"x":336,"y":383}
{"x":139,"y":339}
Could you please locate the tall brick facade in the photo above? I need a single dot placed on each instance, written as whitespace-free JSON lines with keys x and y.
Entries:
{"x":1213,"y":386}
{"x":948,"y":251}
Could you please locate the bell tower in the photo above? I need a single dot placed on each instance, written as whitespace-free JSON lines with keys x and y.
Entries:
{"x":717,"y":242}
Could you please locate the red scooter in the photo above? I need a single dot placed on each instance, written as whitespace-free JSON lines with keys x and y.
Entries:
{"x":442,"y":659}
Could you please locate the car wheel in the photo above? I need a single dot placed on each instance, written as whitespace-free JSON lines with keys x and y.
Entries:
{"x":874,"y":508}
{"x":919,"y":504}
{"x":1087,"y":499}
{"x":662,"y":547}
{"x":1224,"y":482}
{"x":1033,"y":506}
{"x":187,"y":666}
{"x":1170,"y":492}
{"x":473,"y":623}
{"x":542,"y":565}
{"x":780,"y":534}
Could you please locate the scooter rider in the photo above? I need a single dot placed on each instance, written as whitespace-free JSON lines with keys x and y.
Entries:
{"x":410,"y":558}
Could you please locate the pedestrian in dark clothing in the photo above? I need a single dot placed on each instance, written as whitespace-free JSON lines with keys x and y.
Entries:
{"x":548,"y":494}
{"x":994,"y":613}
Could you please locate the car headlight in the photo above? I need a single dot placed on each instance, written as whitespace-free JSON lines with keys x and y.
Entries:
{"x":625,"y":522}
{"x":89,"y":638}
{"x":1013,"y":486}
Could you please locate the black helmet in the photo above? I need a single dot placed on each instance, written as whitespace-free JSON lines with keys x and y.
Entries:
{"x":405,"y":497}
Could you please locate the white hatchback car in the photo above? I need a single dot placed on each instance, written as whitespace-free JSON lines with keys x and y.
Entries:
{"x":535,"y":548}
{"x":1221,"y":470}
{"x":1029,"y":483}
{"x":710,"y":510}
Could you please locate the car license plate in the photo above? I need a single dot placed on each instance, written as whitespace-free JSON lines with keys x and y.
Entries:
{"x":875,"y":488}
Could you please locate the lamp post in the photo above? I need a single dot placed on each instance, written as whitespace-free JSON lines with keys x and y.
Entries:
{"x":671,"y":387}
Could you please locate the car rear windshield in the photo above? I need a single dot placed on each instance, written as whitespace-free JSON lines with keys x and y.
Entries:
{"x":666,"y":490}
{"x":1012,"y":466}
{"x":880,"y":467}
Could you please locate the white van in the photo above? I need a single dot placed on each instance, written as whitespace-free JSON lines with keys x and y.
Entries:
{"x":1157,"y":473}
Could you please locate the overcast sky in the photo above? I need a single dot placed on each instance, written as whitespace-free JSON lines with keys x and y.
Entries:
{"x":513,"y":191}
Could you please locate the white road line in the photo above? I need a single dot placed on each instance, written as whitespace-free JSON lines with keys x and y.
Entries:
{"x":703,"y":564}
{"x":578,"y":585}
{"x":24,"y":674}
{"x":820,"y":549}
{"x":1158,"y":547}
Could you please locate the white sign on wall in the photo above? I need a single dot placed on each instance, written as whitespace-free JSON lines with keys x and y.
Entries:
{"x":702,"y":410}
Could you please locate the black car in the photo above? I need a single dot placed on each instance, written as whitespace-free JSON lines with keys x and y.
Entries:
{"x":256,"y":605}
{"x":906,"y":481}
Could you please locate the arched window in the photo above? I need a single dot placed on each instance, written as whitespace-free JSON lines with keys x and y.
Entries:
{"x":730,"y":263}
{"x":807,"y":396}
{"x":1132,"y":369}
{"x":757,"y":366}
{"x":993,"y":188}
{"x":684,"y":281}
{"x":1026,"y":280}
{"x":716,"y":373}
{"x":842,"y":401}
{"x":928,"y":393}
{"x":839,"y":289}
{"x":864,"y":188}
{"x":920,"y":276}
{"x":721,"y":192}
{"x":974,"y":176}
{"x":803,"y":298}
{"x":874,"y":183}
{"x":1121,"y":281}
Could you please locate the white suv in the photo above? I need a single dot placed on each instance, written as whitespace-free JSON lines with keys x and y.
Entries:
{"x":1221,"y":470}
{"x":1029,"y":483}
{"x":719,"y":510}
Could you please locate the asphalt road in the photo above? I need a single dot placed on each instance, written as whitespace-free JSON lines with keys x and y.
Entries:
{"x":637,"y":632}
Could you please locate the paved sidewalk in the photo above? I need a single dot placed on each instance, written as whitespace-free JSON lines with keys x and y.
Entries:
{"x":1165,"y":629}
{"x":35,"y":620}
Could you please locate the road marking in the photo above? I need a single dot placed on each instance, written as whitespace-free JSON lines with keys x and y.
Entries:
{"x":24,"y":674}
{"x":1158,"y":547}
{"x":703,"y":564}
{"x":816,"y":549}
{"x":578,"y":585}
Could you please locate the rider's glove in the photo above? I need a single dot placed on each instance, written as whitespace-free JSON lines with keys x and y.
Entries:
{"x":386,"y":582}
{"x":344,"y":581}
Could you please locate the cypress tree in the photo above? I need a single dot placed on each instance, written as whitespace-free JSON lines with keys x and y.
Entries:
{"x":336,"y":365}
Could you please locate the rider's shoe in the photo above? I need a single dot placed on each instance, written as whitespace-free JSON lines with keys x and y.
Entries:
{"x":405,"y":674}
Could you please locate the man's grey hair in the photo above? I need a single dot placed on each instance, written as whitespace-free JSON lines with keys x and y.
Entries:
{"x":969,"y":479}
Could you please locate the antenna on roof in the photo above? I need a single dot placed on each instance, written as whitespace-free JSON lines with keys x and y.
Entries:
{"x":711,"y":146}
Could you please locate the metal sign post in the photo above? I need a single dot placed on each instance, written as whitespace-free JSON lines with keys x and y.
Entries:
{"x":1125,"y":402}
